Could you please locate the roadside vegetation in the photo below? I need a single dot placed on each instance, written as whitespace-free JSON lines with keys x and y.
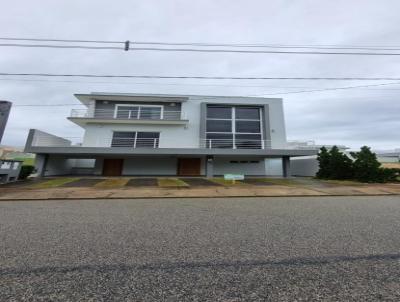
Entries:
{"x":362,"y":166}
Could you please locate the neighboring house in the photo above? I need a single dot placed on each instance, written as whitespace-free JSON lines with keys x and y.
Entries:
{"x":308,"y":165}
{"x":9,"y":170}
{"x":185,"y":135}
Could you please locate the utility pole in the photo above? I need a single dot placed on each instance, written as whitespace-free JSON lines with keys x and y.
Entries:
{"x":5,"y":107}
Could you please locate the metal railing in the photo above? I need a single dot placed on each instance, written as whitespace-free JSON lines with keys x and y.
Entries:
{"x":135,"y":142}
{"x":235,"y":144}
{"x":134,"y":114}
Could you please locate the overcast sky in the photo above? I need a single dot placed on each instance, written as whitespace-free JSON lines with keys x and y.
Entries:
{"x":363,"y":116}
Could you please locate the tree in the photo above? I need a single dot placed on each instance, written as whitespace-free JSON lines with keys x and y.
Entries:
{"x":324,"y":163}
{"x":341,"y":166}
{"x":366,"y":166}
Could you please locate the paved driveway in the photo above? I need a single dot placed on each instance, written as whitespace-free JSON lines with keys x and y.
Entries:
{"x":260,"y":249}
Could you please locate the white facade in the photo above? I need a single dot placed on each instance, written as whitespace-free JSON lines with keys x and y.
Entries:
{"x":170,"y":135}
{"x":187,"y":135}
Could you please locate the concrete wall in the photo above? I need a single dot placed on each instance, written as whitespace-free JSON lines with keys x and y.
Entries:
{"x":273,"y":167}
{"x":188,"y":136}
{"x":58,"y":165}
{"x":304,"y":166}
{"x":150,"y":166}
{"x":244,"y":166}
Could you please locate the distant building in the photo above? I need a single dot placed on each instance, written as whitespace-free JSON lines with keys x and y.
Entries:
{"x":5,"y":107}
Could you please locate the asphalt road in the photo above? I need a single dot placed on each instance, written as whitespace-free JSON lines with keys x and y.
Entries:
{"x":245,"y":249}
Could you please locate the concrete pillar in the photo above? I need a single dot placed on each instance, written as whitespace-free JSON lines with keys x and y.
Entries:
{"x":286,"y":166}
{"x":209,"y":166}
{"x":40,"y":164}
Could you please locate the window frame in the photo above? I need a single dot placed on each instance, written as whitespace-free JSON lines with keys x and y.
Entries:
{"x":140,"y":106}
{"x":233,"y":121}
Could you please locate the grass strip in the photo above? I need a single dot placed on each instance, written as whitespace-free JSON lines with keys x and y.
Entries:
{"x":112,"y":183}
{"x":171,"y":182}
{"x":53,"y":183}
{"x":224,"y":182}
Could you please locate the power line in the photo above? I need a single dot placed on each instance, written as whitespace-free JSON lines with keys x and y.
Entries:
{"x":61,"y":46}
{"x":202,"y":77}
{"x":153,"y":84}
{"x":204,"y":44}
{"x":256,"y":95}
{"x":127,"y":48}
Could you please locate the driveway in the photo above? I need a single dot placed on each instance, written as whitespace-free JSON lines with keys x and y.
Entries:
{"x":233,"y":249}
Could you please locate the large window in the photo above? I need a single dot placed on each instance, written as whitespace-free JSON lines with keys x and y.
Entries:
{"x":135,"y":139}
{"x":234,"y":127}
{"x":146,"y":112}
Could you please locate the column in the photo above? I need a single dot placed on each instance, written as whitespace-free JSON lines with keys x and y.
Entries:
{"x":209,"y":166}
{"x":40,"y":164}
{"x":286,"y":166}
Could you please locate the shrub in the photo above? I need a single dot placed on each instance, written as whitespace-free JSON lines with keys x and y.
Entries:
{"x":26,"y":170}
{"x":366,"y":166}
{"x":341,"y":167}
{"x":334,"y":164}
{"x":324,"y":163}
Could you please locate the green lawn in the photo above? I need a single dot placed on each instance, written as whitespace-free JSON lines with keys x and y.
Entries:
{"x":224,"y":182}
{"x":53,"y":183}
{"x":171,"y":182}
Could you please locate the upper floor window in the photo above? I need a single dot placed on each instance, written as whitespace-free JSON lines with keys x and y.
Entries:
{"x":234,"y":127}
{"x":150,"y":112}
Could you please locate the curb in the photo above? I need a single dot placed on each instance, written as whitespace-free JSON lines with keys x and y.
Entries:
{"x":195,"y":197}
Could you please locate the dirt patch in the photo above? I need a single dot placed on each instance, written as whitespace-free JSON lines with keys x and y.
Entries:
{"x":142,"y":182}
{"x":257,"y":182}
{"x":83,"y":182}
{"x":199,"y":182}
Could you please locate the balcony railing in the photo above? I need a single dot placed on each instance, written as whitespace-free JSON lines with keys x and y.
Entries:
{"x":137,"y":114}
{"x":235,"y":144}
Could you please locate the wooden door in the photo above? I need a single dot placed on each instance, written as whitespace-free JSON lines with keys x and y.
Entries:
{"x":112,"y":167}
{"x":189,"y":166}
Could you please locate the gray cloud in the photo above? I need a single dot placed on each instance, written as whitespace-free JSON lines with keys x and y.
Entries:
{"x":352,"y":117}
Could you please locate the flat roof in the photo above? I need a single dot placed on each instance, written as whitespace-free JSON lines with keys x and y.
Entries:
{"x":86,"y":97}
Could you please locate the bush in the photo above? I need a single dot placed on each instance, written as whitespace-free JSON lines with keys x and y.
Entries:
{"x":366,"y":166}
{"x":334,"y":164}
{"x":26,"y":170}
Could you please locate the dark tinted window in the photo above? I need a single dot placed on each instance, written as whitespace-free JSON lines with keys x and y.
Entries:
{"x":216,"y":140}
{"x":248,"y":141}
{"x":247,"y":113}
{"x":150,"y":113}
{"x":219,"y":112}
{"x":248,"y":126}
{"x":147,"y":139}
{"x":219,"y":126}
{"x":123,"y":139}
{"x":127,"y":112}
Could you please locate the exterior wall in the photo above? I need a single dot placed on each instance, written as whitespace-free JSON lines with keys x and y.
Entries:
{"x":224,"y":166}
{"x":58,"y":165}
{"x":304,"y":166}
{"x":188,"y":136}
{"x":388,"y":159}
{"x":273,"y":167}
{"x":150,"y":166}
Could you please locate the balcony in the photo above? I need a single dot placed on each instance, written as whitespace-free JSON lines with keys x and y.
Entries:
{"x":234,"y":144}
{"x":135,"y":116}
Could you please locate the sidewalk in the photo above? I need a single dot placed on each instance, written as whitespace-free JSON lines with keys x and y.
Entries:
{"x":86,"y":188}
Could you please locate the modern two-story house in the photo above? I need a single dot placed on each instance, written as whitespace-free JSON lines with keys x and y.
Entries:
{"x":156,"y":134}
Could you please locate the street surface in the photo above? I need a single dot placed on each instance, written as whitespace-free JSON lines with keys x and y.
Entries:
{"x":225,"y":249}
